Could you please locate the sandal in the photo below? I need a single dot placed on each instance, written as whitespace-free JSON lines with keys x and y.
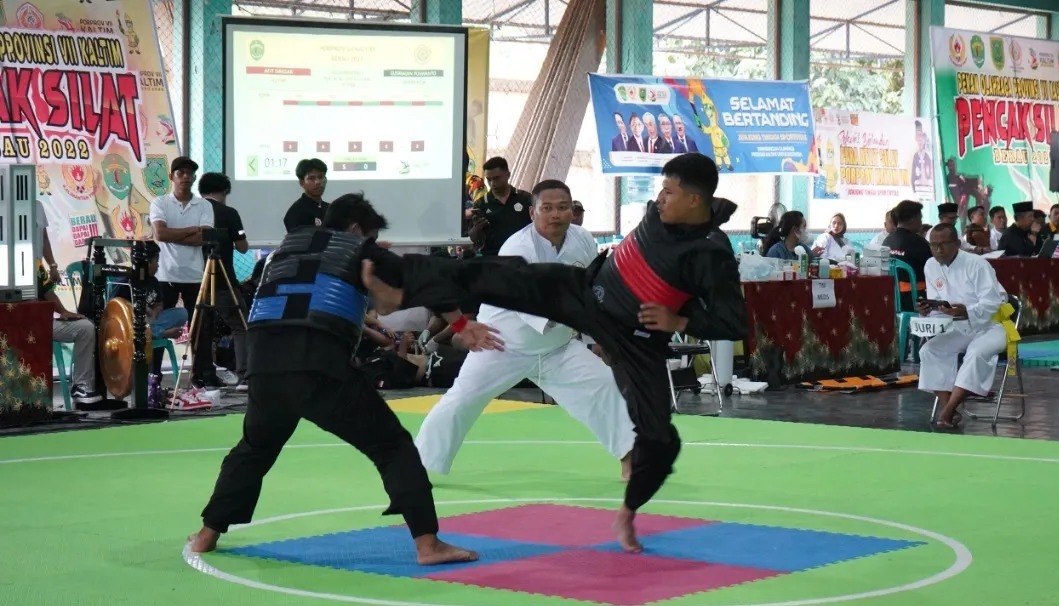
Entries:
{"x":953,"y":424}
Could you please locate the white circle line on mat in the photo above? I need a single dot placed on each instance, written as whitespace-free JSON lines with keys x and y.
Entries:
{"x":963,"y":557}
{"x":930,"y":453}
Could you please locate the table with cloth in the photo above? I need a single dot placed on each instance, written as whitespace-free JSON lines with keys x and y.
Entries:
{"x":1035,"y":282}
{"x":25,"y":361}
{"x":857,"y":337}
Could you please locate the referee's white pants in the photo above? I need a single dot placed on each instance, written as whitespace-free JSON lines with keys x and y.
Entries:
{"x":579,"y":381}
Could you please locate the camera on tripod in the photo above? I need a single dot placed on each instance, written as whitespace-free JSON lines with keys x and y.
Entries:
{"x":212,"y":238}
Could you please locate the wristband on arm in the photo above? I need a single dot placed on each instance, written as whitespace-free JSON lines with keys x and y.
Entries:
{"x":459,"y":325}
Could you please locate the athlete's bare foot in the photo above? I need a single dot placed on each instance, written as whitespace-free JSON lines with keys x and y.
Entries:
{"x":204,"y":540}
{"x":431,"y":551}
{"x":626,"y":533}
{"x":626,"y":467}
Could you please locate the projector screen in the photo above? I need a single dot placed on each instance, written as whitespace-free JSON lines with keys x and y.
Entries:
{"x":382,"y":105}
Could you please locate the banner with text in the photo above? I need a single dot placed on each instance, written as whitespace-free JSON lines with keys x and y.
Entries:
{"x":869,"y":163}
{"x":84,"y":98}
{"x":763,"y":127}
{"x":997,"y":100}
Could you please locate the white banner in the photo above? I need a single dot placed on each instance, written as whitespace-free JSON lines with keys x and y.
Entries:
{"x":869,"y":163}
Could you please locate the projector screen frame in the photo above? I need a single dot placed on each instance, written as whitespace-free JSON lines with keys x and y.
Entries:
{"x":326,"y":24}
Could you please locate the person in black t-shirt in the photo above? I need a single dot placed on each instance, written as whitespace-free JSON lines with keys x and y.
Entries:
{"x":907,"y":244}
{"x":504,"y":210}
{"x":308,"y":210}
{"x":1016,"y":240}
{"x":215,"y":187}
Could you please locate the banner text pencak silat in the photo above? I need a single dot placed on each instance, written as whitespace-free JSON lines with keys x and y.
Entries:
{"x":998,"y":100}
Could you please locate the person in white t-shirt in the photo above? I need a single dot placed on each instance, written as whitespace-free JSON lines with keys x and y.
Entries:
{"x":998,"y":219}
{"x":179,"y":219}
{"x":45,"y":243}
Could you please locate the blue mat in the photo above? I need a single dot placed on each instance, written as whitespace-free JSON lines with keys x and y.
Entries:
{"x":1039,"y":354}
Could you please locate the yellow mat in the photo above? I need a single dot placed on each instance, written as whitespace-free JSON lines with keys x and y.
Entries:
{"x":423,"y":404}
{"x":861,"y":383}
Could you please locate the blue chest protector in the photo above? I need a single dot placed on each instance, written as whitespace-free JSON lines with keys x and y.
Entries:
{"x":311,"y":281}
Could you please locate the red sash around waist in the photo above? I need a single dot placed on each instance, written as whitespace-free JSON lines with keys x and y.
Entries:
{"x":641,"y":280}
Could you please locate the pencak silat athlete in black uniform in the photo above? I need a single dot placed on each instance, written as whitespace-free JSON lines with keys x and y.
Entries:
{"x":303,"y":329}
{"x":667,"y":276}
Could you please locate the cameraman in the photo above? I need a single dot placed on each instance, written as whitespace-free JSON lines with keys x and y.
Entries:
{"x":215,"y":187}
{"x":179,"y":219}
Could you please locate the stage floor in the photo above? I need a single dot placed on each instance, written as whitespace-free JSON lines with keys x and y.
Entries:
{"x":759,"y":512}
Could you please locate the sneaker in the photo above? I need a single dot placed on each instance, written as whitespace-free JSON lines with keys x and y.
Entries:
{"x":229,"y":378}
{"x":190,"y":399}
{"x":81,"y":395}
{"x":242,"y":386}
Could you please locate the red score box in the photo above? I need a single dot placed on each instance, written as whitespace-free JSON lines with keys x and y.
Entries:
{"x":290,"y":146}
{"x":386,"y":146}
{"x":418,"y":146}
{"x":356,"y":146}
{"x":323,"y":146}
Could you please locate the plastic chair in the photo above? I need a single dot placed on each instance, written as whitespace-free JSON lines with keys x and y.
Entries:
{"x":998,"y":399}
{"x":904,"y":317}
{"x":74,"y":270}
{"x":59,"y":355}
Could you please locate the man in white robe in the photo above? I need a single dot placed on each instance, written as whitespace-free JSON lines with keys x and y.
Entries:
{"x":888,"y":228}
{"x":968,"y":284}
{"x":535,"y":348}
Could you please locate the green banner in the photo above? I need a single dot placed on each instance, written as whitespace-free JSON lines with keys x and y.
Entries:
{"x":997,"y":105}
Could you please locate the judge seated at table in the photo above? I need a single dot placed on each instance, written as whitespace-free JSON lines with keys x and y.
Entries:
{"x":967,"y":286}
{"x":1016,"y":240}
{"x":833,"y":243}
{"x":786,"y":236}
{"x":948,"y":213}
{"x":976,"y":233}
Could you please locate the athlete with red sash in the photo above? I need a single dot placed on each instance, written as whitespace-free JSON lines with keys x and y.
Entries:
{"x":667,"y":276}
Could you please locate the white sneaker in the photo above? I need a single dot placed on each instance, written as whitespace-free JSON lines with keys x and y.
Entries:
{"x":229,"y":378}
{"x":193,"y":398}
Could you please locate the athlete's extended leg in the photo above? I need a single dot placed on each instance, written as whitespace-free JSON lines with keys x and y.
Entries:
{"x":483,"y":376}
{"x":558,"y":292}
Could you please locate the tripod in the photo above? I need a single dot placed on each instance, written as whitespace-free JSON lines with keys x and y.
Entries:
{"x":208,"y":290}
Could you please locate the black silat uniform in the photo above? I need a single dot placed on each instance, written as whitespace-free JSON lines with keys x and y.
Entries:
{"x":913,"y":249}
{"x":679,"y":267}
{"x":304,"y":326}
{"x":1015,"y":242}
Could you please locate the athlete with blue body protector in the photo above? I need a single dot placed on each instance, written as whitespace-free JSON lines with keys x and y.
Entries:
{"x":303,"y":330}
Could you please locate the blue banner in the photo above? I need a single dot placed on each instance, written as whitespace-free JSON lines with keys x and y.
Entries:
{"x":762,"y":127}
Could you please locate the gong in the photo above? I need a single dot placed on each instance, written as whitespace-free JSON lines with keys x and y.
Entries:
{"x":116,"y":346}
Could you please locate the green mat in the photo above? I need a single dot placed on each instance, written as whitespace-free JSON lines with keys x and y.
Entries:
{"x":100,"y":517}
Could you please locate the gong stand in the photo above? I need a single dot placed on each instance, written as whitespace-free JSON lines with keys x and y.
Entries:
{"x":121,"y":375}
